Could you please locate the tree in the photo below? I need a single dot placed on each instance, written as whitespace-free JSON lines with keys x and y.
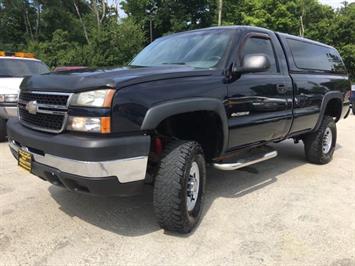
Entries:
{"x":17,"y":20}
{"x":115,"y":44}
{"x":108,"y":47}
{"x":170,"y":15}
{"x":342,"y":35}
{"x":90,"y":32}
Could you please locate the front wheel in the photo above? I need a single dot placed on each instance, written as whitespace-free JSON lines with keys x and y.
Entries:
{"x":320,"y":145}
{"x":2,"y":130}
{"x":179,"y":187}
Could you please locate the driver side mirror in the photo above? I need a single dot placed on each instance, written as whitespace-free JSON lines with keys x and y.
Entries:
{"x":252,"y":63}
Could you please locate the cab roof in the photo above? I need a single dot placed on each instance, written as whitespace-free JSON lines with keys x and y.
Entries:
{"x":289,"y":36}
{"x":254,"y":28}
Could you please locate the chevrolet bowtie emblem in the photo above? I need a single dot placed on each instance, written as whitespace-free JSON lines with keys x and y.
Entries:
{"x":32,"y":107}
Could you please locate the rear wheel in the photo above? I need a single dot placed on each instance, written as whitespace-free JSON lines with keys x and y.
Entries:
{"x":2,"y":130}
{"x":179,"y":186}
{"x":320,"y":145}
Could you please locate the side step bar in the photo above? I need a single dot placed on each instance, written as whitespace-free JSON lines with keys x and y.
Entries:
{"x":254,"y":157}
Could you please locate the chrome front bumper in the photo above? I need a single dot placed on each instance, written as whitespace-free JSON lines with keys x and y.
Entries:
{"x":8,"y":111}
{"x":126,"y":170}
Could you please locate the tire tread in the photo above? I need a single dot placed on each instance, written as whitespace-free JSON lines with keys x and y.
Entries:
{"x":313,"y":143}
{"x":168,"y":188}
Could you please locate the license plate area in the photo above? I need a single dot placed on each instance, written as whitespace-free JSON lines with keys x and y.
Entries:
{"x":25,"y":160}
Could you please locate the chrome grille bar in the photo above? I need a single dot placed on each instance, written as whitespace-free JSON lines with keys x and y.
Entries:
{"x":46,"y":116}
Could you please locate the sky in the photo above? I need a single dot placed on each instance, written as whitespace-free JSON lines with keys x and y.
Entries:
{"x":332,"y":3}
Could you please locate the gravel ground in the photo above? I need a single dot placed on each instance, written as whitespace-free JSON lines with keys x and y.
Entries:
{"x":280,"y":212}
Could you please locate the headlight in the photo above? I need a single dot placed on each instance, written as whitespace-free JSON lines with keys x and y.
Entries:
{"x":8,"y":98}
{"x":89,"y":124}
{"x":98,"y":98}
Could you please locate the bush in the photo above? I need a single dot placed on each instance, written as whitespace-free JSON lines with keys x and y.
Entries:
{"x":114,"y":44}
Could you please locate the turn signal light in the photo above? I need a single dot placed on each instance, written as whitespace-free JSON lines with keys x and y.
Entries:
{"x":105,"y":125}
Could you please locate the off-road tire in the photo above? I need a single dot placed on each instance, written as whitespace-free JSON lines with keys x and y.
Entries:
{"x":170,"y":188}
{"x":313,"y":142}
{"x":2,"y":130}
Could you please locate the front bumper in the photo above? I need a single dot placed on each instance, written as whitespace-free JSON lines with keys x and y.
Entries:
{"x":8,"y":111}
{"x":93,"y":168}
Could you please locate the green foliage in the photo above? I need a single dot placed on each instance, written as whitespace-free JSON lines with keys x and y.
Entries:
{"x":13,"y":30}
{"x":342,"y":35}
{"x":117,"y":43}
{"x":89,"y":32}
{"x":75,"y":32}
{"x":348,"y":55}
{"x":114,"y":44}
{"x":170,"y":15}
{"x":59,"y":51}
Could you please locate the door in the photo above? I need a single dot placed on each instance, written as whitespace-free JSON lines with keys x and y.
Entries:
{"x":259,"y":105}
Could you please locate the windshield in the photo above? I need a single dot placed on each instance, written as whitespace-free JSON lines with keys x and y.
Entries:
{"x":203,"y":49}
{"x":21,"y":68}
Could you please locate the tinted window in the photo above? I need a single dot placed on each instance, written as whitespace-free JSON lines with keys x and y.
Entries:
{"x":202,"y":49}
{"x":312,"y":56}
{"x":21,"y":67}
{"x":256,"y":45}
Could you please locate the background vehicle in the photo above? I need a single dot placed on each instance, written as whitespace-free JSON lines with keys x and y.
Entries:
{"x":13,"y":68}
{"x":217,"y":95}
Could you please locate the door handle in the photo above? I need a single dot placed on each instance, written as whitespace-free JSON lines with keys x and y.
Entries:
{"x":281,"y":88}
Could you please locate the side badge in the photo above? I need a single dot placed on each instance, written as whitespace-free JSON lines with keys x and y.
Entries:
{"x":240,"y":114}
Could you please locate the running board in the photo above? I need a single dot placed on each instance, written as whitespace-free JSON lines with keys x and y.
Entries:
{"x":256,"y":156}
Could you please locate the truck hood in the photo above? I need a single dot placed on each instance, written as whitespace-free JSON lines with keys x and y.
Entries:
{"x":88,"y":79}
{"x":10,"y":85}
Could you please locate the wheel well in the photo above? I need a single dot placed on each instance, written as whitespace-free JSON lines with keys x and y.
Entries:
{"x":205,"y":127}
{"x":334,"y":108}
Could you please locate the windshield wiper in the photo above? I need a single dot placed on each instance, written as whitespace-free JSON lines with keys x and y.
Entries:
{"x":174,"y":63}
{"x":136,"y":66}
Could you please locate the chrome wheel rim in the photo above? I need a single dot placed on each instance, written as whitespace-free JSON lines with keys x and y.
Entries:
{"x":193,"y":186}
{"x":327,"y":140}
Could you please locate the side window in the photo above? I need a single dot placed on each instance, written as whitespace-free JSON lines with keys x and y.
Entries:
{"x":315,"y":57}
{"x":257,"y":45}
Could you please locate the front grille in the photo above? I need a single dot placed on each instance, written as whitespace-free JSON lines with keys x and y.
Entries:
{"x":50,"y":99}
{"x":48,"y":113}
{"x":45,"y":121}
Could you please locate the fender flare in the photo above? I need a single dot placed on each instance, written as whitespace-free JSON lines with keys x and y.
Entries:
{"x":156,"y":114}
{"x":326,"y":99}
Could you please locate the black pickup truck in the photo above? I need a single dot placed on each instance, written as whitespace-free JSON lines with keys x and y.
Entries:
{"x":214,"y":96}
